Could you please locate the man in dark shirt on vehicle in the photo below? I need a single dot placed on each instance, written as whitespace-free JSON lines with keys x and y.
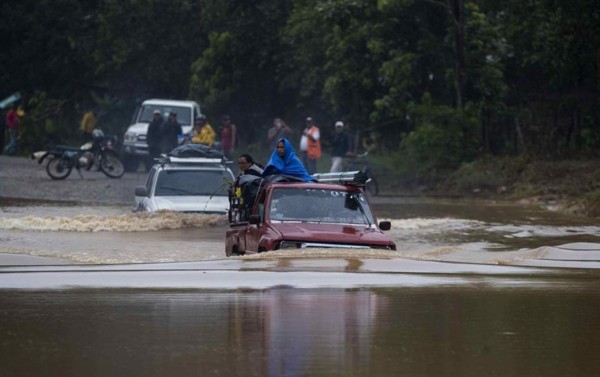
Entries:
{"x":248,"y":166}
{"x":245,"y":187}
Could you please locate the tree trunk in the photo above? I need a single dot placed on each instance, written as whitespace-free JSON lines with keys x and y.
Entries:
{"x":598,"y":68}
{"x":486,"y":118}
{"x":456,"y":8}
{"x":520,"y":138}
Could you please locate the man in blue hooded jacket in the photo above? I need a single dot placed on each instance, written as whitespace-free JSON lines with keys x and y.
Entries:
{"x":284,"y":161}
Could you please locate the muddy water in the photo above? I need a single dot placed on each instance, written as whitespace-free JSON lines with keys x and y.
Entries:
{"x":109,"y":234}
{"x":456,"y":231}
{"x":461,"y":331}
{"x":434,"y":318}
{"x":485,"y":232}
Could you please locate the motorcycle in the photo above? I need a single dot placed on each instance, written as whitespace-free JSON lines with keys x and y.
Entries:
{"x":98,"y":153}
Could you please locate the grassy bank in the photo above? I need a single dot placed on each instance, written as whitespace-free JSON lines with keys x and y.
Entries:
{"x":567,"y":186}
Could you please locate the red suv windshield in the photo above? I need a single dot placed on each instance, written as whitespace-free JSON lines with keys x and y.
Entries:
{"x":320,"y":205}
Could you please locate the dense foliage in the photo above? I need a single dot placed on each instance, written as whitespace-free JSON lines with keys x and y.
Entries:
{"x":435,"y":82}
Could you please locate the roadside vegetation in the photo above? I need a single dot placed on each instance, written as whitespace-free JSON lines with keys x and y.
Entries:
{"x":459,"y":96}
{"x":570,"y":186}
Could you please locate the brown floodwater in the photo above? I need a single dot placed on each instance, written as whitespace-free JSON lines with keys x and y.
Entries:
{"x":475,"y":288}
{"x":446,"y":230}
{"x":449,"y":331}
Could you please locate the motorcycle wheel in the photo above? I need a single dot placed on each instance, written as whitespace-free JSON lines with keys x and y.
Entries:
{"x":59,"y":168}
{"x":111,"y":165}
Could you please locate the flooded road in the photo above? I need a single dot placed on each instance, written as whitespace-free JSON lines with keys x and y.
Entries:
{"x":475,"y":288}
{"x":452,"y":231}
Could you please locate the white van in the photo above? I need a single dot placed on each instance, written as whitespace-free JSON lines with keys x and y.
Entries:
{"x":135,"y":148}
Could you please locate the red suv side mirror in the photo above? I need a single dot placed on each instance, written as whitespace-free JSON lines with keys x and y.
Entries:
{"x":385,"y":225}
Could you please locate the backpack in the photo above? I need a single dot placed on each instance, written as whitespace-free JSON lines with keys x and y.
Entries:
{"x":195,"y":150}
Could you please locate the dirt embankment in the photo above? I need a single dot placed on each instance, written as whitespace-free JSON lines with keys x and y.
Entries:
{"x":566,"y":186}
{"x":21,"y":177}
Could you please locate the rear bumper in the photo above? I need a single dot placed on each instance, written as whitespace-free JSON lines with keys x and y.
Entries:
{"x":136,"y":149}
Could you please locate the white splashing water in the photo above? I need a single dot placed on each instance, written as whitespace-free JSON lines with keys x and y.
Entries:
{"x":131,"y":222}
{"x":433,"y":224}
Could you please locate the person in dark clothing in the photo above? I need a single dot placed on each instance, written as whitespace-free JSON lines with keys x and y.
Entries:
{"x":2,"y":132}
{"x":248,"y":166}
{"x":154,"y":138}
{"x":341,"y":147}
{"x":171,"y":132}
{"x":245,"y":187}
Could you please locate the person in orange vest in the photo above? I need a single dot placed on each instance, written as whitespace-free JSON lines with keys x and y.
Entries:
{"x":310,"y":146}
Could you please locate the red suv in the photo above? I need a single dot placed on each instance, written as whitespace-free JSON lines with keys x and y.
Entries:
{"x":307,"y":214}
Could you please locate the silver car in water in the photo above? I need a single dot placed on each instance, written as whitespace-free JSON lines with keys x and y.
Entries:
{"x":192,"y":185}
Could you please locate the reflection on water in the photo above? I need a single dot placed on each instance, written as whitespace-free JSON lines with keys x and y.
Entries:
{"x":289,"y":332}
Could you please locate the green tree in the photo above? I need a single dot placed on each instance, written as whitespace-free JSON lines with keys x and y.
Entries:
{"x":236,"y":73}
{"x":145,"y":48}
{"x":40,"y":46}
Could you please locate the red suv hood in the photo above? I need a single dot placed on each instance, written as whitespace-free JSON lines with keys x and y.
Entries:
{"x":332,"y":233}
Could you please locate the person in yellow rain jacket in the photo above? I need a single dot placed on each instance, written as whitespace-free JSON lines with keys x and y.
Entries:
{"x":203,"y":132}
{"x":88,"y":124}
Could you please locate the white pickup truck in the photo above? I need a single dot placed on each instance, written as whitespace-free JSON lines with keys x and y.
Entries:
{"x":135,"y":147}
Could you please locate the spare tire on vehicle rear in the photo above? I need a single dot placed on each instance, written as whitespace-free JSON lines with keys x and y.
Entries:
{"x":195,"y":150}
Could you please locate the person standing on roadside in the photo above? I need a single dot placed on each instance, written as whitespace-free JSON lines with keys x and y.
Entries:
{"x":278,"y":131}
{"x":88,"y":125}
{"x":2,"y":131}
{"x":203,"y":132}
{"x":228,"y":136}
{"x":12,"y":122}
{"x":310,"y":146}
{"x":171,"y":132}
{"x":341,"y":147}
{"x":154,"y":138}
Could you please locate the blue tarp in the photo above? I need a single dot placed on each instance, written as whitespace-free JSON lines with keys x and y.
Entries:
{"x":289,"y":164}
